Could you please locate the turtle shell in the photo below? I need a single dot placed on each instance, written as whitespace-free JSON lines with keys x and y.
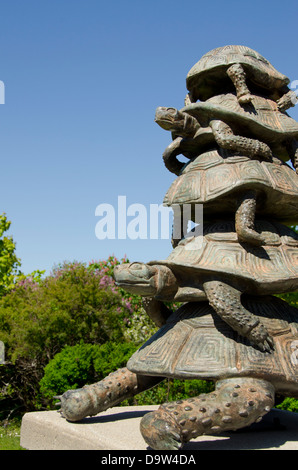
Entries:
{"x":216,"y":178}
{"x":269,"y":269}
{"x":260,"y":119}
{"x":208,"y":76}
{"x":196,"y":344}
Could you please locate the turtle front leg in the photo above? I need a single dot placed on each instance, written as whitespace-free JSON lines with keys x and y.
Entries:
{"x":235,"y":403}
{"x":287,"y":100}
{"x":112,"y":390}
{"x":245,"y":219}
{"x":226,"y":301}
{"x":226,"y":139}
{"x":238,"y":77}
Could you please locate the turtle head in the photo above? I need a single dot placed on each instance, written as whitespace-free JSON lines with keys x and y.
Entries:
{"x":147,"y":280}
{"x":178,"y":122}
{"x":167,"y":118}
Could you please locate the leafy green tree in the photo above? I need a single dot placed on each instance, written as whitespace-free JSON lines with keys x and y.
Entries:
{"x":73,"y":303}
{"x":38,"y":318}
{"x":9,"y":263}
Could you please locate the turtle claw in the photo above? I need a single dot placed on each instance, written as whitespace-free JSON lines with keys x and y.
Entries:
{"x":160,"y":431}
{"x":270,"y":343}
{"x":244,"y":99}
{"x":287,"y":101}
{"x":250,"y":236}
{"x":265,"y":347}
{"x":260,"y":337}
{"x":58,"y":403}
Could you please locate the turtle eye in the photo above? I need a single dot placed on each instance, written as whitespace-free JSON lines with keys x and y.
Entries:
{"x":141,"y":270}
{"x":136,"y":266}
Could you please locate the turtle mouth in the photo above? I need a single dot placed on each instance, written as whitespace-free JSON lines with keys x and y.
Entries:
{"x":132,"y":282}
{"x":144,"y":289}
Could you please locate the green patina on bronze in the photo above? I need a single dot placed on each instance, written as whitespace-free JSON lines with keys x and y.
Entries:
{"x":231,"y":329}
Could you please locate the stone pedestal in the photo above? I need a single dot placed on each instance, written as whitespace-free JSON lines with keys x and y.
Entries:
{"x":118,"y":429}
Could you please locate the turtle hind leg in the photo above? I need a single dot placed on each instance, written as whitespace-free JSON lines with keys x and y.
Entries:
{"x":112,"y":390}
{"x":235,"y":403}
{"x":226,"y":139}
{"x":226,"y":301}
{"x":238,"y":77}
{"x":245,"y":219}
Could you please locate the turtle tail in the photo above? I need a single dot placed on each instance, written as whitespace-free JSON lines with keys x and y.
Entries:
{"x":170,"y":156}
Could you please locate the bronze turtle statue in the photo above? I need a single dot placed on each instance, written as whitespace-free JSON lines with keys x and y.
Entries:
{"x":257,"y":129}
{"x":241,"y":69}
{"x":225,"y":128}
{"x":216,"y":267}
{"x":231,"y":329}
{"x":196,"y":343}
{"x":234,"y":185}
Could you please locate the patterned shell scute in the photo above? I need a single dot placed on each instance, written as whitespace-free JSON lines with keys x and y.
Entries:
{"x":216,"y":181}
{"x":274,"y":263}
{"x":261,"y":119}
{"x":213,"y":64}
{"x":228,"y":55}
{"x":261,"y":109}
{"x":196,"y":343}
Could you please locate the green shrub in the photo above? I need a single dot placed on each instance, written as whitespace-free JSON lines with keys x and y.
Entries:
{"x":76,"y":366}
{"x":38,"y":318}
{"x":74,"y":303}
{"x":289,"y":404}
{"x":171,"y":390}
{"x":291,"y":298}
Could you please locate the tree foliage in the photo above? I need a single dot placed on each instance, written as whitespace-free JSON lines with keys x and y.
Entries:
{"x":74,"y":303}
{"x":39,"y":317}
{"x":9,"y":263}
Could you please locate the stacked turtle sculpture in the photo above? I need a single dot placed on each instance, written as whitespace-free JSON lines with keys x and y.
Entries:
{"x":231,"y":328}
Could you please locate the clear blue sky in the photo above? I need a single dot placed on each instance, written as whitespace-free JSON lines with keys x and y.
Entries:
{"x":82,"y":81}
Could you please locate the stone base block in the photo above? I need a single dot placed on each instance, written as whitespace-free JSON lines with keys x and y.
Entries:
{"x":118,"y":429}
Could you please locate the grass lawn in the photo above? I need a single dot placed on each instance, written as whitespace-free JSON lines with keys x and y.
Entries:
{"x":10,"y":436}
